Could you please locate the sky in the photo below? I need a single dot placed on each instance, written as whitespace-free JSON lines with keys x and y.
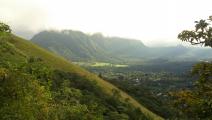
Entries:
{"x":154,"y":22}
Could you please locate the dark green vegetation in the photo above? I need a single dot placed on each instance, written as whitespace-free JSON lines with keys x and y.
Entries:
{"x":197,"y":102}
{"x":38,"y":85}
{"x":5,"y":28}
{"x":150,"y":84}
{"x":77,"y":46}
{"x":151,"y":75}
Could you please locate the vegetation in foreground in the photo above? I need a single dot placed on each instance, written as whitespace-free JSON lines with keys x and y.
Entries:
{"x":155,"y":85}
{"x":33,"y":88}
{"x":197,"y":103}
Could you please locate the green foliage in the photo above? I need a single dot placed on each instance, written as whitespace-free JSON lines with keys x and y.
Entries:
{"x":5,"y":28}
{"x":99,"y":105}
{"x":204,"y":72}
{"x":197,"y":103}
{"x":50,"y":72}
{"x":201,"y":35}
{"x":147,"y":84}
{"x":33,"y":89}
{"x":22,"y":98}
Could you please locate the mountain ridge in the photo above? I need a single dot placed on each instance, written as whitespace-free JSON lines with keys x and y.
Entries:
{"x":78,"y":46}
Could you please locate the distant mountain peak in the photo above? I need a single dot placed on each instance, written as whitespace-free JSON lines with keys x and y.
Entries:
{"x":79,"y":46}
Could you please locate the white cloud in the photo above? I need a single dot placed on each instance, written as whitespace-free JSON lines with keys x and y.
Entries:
{"x":152,"y":21}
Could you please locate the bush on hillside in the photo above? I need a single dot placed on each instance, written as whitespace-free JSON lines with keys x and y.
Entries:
{"x":5,"y":28}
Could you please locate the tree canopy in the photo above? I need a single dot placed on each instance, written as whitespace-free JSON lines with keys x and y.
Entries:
{"x":197,"y":102}
{"x":201,"y":35}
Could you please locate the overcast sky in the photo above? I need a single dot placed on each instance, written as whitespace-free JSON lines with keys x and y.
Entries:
{"x":152,"y":21}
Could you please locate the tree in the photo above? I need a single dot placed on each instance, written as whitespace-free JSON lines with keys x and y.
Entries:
{"x":201,"y":35}
{"x":197,"y":103}
{"x":5,"y":28}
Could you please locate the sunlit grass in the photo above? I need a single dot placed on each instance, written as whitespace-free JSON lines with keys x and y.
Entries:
{"x":58,"y":62}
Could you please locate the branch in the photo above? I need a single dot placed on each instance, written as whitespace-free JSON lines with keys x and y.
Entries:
{"x":196,"y":43}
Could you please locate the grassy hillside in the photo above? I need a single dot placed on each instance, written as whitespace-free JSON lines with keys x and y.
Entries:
{"x":30,"y":49}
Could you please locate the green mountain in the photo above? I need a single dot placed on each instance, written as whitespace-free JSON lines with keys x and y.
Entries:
{"x":37,"y":84}
{"x":78,"y":46}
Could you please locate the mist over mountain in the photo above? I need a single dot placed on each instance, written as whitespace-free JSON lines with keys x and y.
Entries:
{"x":78,"y":46}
